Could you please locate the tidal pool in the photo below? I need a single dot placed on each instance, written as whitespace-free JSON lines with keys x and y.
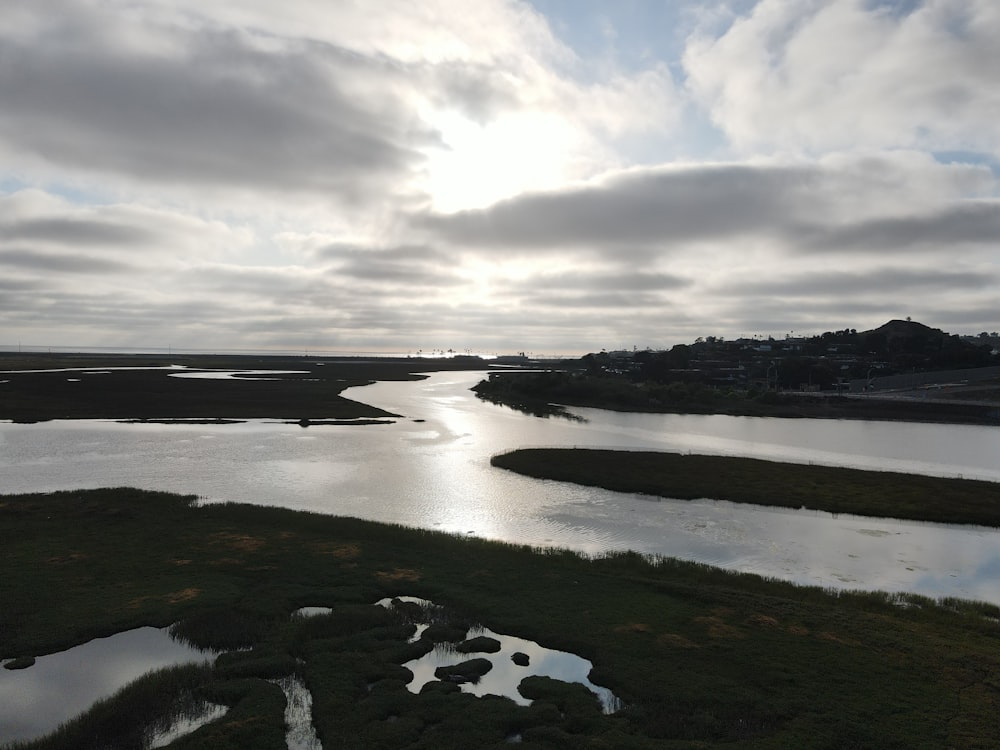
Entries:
{"x":60,"y":686}
{"x":505,"y":675}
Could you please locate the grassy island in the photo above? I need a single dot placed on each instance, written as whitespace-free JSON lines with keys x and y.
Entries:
{"x":701,"y":658}
{"x":749,"y":480}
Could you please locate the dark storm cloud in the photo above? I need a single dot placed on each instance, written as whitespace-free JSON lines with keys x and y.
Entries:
{"x":213,"y":109}
{"x":46,"y":263}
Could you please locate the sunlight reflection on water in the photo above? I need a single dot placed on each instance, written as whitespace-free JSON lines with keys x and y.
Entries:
{"x":435,"y":473}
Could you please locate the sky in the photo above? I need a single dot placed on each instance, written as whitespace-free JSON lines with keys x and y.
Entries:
{"x":495,"y":176}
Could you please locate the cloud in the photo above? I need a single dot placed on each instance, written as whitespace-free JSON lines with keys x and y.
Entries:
{"x":35,"y":222}
{"x":947,"y":229}
{"x":836,"y":205}
{"x":49,"y":263}
{"x":833,"y":74}
{"x":407,"y":266}
{"x":63,"y":230}
{"x":870,"y":282}
{"x":211,"y":108}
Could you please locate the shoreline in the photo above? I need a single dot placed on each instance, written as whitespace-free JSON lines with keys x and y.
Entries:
{"x":543,"y":395}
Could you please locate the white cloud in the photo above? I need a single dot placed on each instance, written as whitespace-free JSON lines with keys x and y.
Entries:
{"x":828,"y":75}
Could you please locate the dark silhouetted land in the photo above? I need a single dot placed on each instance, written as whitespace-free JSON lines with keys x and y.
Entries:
{"x":96,"y":390}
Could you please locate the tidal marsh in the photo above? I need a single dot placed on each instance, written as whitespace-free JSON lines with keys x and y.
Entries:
{"x":699,"y":657}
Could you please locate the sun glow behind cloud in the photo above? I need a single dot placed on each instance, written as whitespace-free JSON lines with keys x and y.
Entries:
{"x":482,"y":163}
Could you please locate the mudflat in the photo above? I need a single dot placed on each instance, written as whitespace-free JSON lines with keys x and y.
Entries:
{"x":39,"y":387}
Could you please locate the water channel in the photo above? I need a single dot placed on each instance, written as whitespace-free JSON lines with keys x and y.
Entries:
{"x":430,"y":468}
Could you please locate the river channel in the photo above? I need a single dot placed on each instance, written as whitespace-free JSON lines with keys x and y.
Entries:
{"x":430,"y":468}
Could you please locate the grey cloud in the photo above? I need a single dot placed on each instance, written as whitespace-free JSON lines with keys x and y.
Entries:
{"x":396,"y":253}
{"x":658,"y":211}
{"x":373,"y":272}
{"x":594,"y":289}
{"x":288,"y":284}
{"x":648,"y":207}
{"x":219,"y":113}
{"x":973,"y":319}
{"x":60,"y":262}
{"x":594,"y":300}
{"x":635,"y":281}
{"x":12,"y":287}
{"x":874,"y":281}
{"x":410,"y":265}
{"x":477,"y":91}
{"x":76,"y":232}
{"x":969,"y":223}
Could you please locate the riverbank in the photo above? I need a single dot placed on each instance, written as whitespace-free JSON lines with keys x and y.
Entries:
{"x":549,"y":393}
{"x":699,"y":657}
{"x":880,"y":494}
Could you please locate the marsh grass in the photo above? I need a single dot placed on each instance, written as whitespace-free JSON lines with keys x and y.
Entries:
{"x":699,"y":656}
{"x":750,"y":480}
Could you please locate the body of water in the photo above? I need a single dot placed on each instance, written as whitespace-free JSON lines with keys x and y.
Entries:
{"x":431,"y":469}
{"x":58,"y":687}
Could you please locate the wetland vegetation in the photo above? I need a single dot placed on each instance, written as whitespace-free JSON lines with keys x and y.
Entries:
{"x":699,"y":657}
{"x":749,"y":480}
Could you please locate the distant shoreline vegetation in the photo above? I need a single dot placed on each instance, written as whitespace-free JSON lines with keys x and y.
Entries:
{"x":547,"y":393}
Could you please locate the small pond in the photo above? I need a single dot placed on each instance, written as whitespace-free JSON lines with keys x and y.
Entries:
{"x":505,"y":674}
{"x":60,"y":686}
